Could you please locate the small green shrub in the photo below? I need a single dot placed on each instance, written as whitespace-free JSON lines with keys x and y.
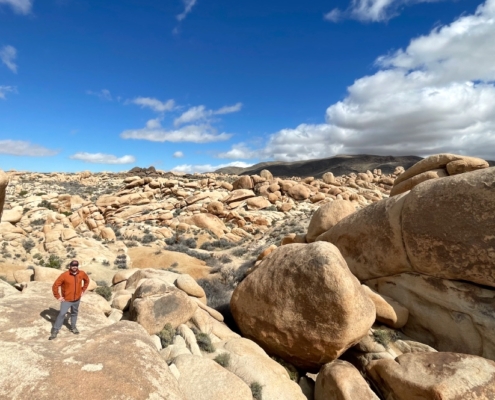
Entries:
{"x":166,"y":335}
{"x":385,"y":336}
{"x":256,"y":390}
{"x":204,"y":342}
{"x":291,"y":370}
{"x":105,"y":292}
{"x":46,"y":204}
{"x":148,"y":238}
{"x":22,"y":193}
{"x":239,"y":252}
{"x":53,"y":262}
{"x":38,"y":222}
{"x":223,"y":359}
{"x":28,"y":245}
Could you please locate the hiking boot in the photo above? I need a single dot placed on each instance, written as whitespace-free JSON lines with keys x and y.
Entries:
{"x":75,"y":331}
{"x":53,"y":334}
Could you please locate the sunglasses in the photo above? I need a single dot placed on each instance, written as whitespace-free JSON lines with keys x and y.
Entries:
{"x":74,"y":265}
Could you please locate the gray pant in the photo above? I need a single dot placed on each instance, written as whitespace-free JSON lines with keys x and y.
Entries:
{"x":64,"y":307}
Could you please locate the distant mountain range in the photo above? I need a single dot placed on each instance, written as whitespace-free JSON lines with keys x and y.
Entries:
{"x":338,"y":165}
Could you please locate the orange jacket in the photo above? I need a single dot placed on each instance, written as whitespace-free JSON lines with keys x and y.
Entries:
{"x":72,"y":287}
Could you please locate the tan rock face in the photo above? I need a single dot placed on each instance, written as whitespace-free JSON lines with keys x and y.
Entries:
{"x":187,"y":284}
{"x":408,"y":184}
{"x":340,"y":380}
{"x":432,"y":376}
{"x":257,"y":203}
{"x":206,"y":221}
{"x":370,"y":240}
{"x":448,"y":315}
{"x":299,"y":192}
{"x":244,"y":182}
{"x":6,"y":289}
{"x":447,"y":227}
{"x":303,"y":304}
{"x":440,"y":228}
{"x":388,"y":311}
{"x":201,"y":378}
{"x":327,"y":216}
{"x":439,"y":161}
{"x":155,"y":304}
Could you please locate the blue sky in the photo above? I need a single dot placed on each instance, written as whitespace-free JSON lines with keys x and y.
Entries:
{"x":192,"y":85}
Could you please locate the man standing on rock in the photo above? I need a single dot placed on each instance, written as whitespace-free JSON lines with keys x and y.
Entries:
{"x":71,"y":283}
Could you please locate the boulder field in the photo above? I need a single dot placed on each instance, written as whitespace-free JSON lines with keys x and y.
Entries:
{"x":364,"y":286}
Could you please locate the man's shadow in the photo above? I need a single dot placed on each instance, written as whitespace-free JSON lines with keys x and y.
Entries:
{"x":51,"y":315}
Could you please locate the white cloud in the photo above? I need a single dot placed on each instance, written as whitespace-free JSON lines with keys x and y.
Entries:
{"x":23,"y":148}
{"x":8,"y":54}
{"x":190,"y":168}
{"x":19,"y":6}
{"x":239,"y":151}
{"x":188,"y":5}
{"x":371,"y":10}
{"x":6,"y":89}
{"x":154,"y":104}
{"x":190,"y":133}
{"x":229,"y":109}
{"x":201,"y":113}
{"x":103,"y":94}
{"x":101,"y":158}
{"x":178,"y":154}
{"x":437,"y":95}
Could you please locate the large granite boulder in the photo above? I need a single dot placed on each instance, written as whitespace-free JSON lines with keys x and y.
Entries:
{"x":340,"y":380}
{"x":441,"y":228}
{"x":433,"y":376}
{"x":327,"y":216}
{"x":447,"y":315}
{"x":303,"y":304}
{"x":201,"y":378}
{"x":156,"y":303}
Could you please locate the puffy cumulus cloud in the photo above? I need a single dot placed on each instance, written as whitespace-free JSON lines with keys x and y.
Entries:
{"x":24,"y":148}
{"x":437,"y":95}
{"x":189,"y":133}
{"x":154,"y":104}
{"x":239,"y":151}
{"x":8,"y":55}
{"x":19,"y":6}
{"x":201,"y":113}
{"x":188,"y":5}
{"x":371,"y":10}
{"x":178,"y":154}
{"x":191,"y":168}
{"x":101,"y":158}
{"x":6,"y":89}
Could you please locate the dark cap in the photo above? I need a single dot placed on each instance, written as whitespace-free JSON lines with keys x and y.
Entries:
{"x":74,"y":263}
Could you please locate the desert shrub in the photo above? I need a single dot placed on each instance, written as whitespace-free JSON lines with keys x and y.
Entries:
{"x":171,"y":241}
{"x":225,"y":259}
{"x":271,"y":208}
{"x":131,"y":243}
{"x":46,"y":204}
{"x":148,"y":238}
{"x":190,"y":242}
{"x":28,"y":245}
{"x":40,"y":194}
{"x":174,"y":265}
{"x":204,"y":342}
{"x":52,"y":262}
{"x":239,"y":252}
{"x":385,"y":336}
{"x":241,"y":272}
{"x":199,"y":255}
{"x":166,"y":335}
{"x":38,"y":222}
{"x":216,"y":292}
{"x":105,"y":292}
{"x":291,"y":370}
{"x":256,"y":390}
{"x":22,"y":193}
{"x":102,"y":283}
{"x":221,"y":244}
{"x":223,"y":359}
{"x":121,"y":261}
{"x":106,"y":263}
